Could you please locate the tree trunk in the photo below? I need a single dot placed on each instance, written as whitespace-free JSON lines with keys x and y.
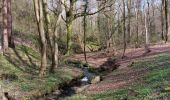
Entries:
{"x":43,"y":42}
{"x":54,"y":55}
{"x":47,"y":29}
{"x":69,"y":23}
{"x":55,"y":47}
{"x":38,"y":7}
{"x":162,"y":21}
{"x":84,"y":26}
{"x":5,"y":26}
{"x":69,"y":34}
{"x":10,"y":35}
{"x":51,"y":38}
{"x":147,"y":50}
{"x":124,"y":29}
{"x":166,"y":20}
{"x":129,"y":21}
{"x":137,"y":27}
{"x":146,"y":35}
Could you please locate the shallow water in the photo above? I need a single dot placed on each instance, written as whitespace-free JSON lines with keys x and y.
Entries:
{"x":71,"y":88}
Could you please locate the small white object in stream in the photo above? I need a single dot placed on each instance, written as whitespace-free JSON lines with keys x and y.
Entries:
{"x":85,"y":79}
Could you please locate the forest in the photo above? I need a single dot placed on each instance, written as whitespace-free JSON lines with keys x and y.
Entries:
{"x":84,"y":50}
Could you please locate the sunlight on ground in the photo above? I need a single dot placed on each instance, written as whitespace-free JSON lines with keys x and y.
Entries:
{"x":146,"y":87}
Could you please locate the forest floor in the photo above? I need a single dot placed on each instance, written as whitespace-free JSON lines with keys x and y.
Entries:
{"x":141,"y":74}
{"x":96,"y":59}
{"x":19,"y":74}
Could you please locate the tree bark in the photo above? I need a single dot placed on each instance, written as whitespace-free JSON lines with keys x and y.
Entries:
{"x":51,"y":38}
{"x":5,"y":42}
{"x":147,"y":50}
{"x":55,"y":53}
{"x":10,"y":35}
{"x":137,"y":26}
{"x":162,"y":20}
{"x":84,"y":26}
{"x":38,"y":7}
{"x":124,"y":29}
{"x":69,"y":23}
{"x":166,"y":20}
{"x":129,"y":21}
{"x":69,"y":34}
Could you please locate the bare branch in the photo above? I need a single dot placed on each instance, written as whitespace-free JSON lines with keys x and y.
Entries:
{"x":93,"y":13}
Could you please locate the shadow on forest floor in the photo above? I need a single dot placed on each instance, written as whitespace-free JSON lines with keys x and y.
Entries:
{"x":23,"y":58}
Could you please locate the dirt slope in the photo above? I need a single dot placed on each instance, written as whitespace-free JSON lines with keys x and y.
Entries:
{"x":126,"y":75}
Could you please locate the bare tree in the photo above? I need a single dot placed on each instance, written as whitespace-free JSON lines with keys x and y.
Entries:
{"x":147,"y":41}
{"x":162,"y":20}
{"x":52,"y":36}
{"x":124,"y":29}
{"x":85,"y":24}
{"x":10,"y":35}
{"x":71,"y":15}
{"x":166,"y":19}
{"x":5,"y":42}
{"x":129,"y":2}
{"x":38,"y":8}
{"x":137,"y":4}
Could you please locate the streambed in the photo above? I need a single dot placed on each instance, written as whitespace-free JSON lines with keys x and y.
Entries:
{"x":75,"y":86}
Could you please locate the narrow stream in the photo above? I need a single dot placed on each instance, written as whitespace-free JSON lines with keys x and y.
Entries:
{"x":67,"y":90}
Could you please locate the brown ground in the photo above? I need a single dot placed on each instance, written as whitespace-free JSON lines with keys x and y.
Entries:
{"x":126,"y":74}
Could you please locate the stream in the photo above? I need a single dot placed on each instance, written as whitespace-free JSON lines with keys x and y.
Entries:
{"x":76,"y":85}
{"x":90,"y":76}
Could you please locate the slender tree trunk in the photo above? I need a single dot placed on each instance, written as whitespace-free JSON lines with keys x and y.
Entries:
{"x":84,"y":20}
{"x":147,"y":50}
{"x":146,"y":30}
{"x":10,"y":35}
{"x":47,"y":22}
{"x":162,"y":20}
{"x":51,"y":38}
{"x":38,"y":7}
{"x":129,"y":21}
{"x":153,"y":24}
{"x":166,"y":20}
{"x":55,"y":47}
{"x":43,"y":42}
{"x":137,"y":27}
{"x":137,"y":13}
{"x":5,"y":42}
{"x":124,"y":30}
{"x":54,"y":55}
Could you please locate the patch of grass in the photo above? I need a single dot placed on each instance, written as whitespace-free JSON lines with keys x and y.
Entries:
{"x":150,"y":84}
{"x":24,"y":63}
{"x":77,"y":97}
{"x":110,"y":95}
{"x":151,"y":61}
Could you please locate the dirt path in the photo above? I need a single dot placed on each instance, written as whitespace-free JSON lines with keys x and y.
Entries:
{"x":126,"y":75}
